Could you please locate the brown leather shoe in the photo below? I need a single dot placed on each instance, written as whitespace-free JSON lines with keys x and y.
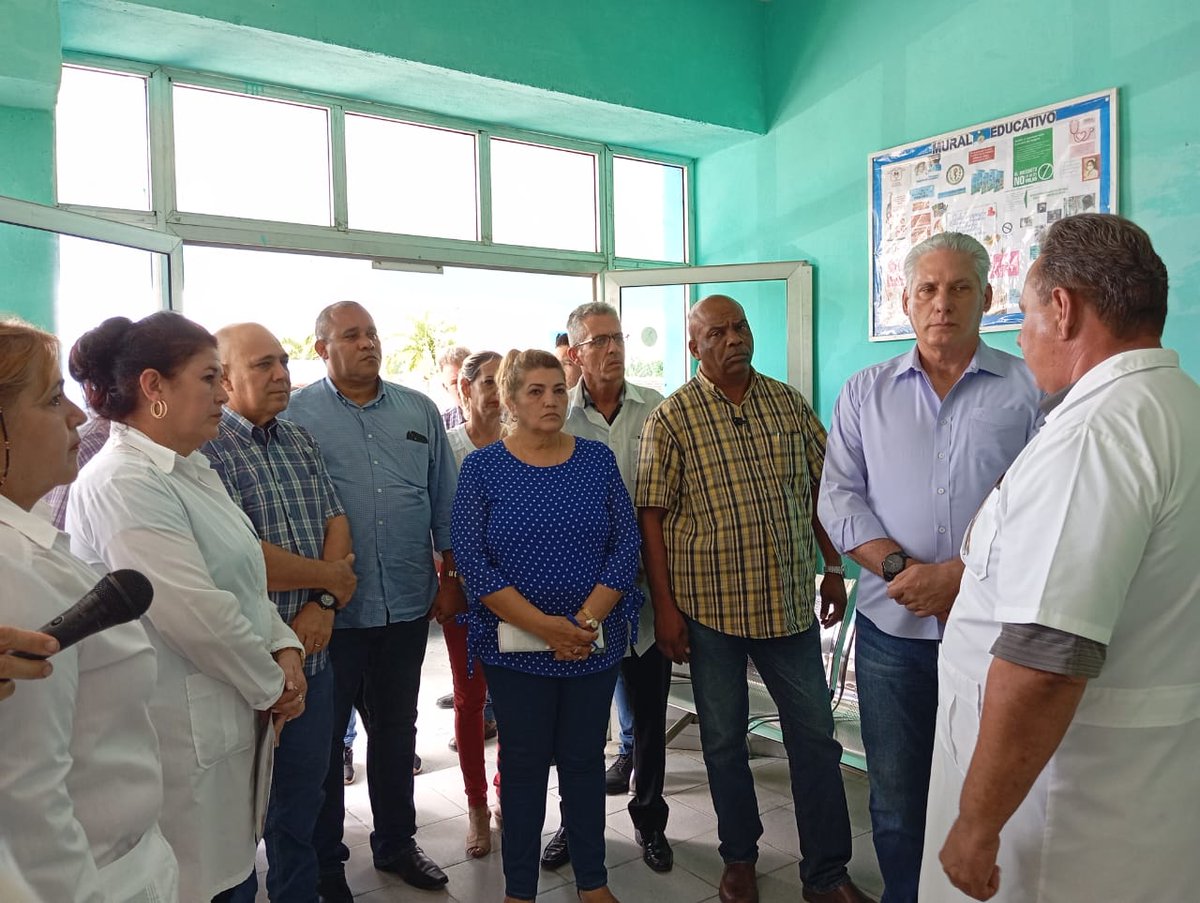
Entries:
{"x":738,"y":884}
{"x":843,"y":893}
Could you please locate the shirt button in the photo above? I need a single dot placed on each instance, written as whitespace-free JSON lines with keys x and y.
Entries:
{"x":374,"y":462}
{"x":380,"y":523}
{"x":370,"y":435}
{"x":941,"y":454}
{"x":379,"y":490}
{"x":941,"y":529}
{"x":941,"y":491}
{"x":945,"y":420}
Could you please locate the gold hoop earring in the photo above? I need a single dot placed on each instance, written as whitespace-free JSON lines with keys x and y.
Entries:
{"x":158,"y":409}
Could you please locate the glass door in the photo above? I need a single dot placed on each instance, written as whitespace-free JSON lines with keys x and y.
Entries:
{"x":777,"y":298}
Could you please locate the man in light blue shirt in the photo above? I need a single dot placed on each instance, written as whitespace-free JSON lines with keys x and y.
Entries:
{"x":385,"y":449}
{"x":915,"y":445}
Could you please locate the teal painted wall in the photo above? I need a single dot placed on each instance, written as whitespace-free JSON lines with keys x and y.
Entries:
{"x":698,"y":60}
{"x":846,"y":79}
{"x":29,"y":73}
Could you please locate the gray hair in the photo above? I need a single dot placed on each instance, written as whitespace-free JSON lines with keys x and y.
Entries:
{"x":950,"y":241}
{"x":576,"y":331}
{"x":453,"y":356}
{"x":1111,"y":262}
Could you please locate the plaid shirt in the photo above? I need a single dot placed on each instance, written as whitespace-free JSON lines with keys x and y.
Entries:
{"x":276,"y":474}
{"x":736,"y":482}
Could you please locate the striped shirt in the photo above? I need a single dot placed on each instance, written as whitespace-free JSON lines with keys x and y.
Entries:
{"x":276,"y":475}
{"x":736,"y":481}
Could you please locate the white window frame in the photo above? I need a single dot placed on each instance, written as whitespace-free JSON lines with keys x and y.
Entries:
{"x":795,"y":274}
{"x":338,"y":239}
{"x":66,"y":222}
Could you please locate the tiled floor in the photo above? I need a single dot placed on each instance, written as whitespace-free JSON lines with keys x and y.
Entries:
{"x":441,"y":820}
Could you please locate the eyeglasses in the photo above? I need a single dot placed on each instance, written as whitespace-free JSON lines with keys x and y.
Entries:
{"x":602,"y":341}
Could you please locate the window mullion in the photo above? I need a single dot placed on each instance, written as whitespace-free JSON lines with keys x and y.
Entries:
{"x":483,"y":152}
{"x":337,"y":162}
{"x":162,"y":146}
{"x":604,"y":205}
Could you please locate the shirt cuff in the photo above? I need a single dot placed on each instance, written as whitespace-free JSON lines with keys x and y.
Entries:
{"x":1049,"y":649}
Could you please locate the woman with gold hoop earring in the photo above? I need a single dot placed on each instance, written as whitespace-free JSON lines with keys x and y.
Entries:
{"x":149,"y":500}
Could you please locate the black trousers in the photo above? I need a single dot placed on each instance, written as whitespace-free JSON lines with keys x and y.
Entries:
{"x":648,"y":681}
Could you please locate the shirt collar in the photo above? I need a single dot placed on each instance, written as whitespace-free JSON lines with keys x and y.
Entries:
{"x":346,"y":401}
{"x":243,"y":429}
{"x":711,"y":387}
{"x":33,"y":524}
{"x":985,"y":359}
{"x":1052,"y":401}
{"x":160,"y":456}
{"x":581,"y":398}
{"x":1113,"y":368}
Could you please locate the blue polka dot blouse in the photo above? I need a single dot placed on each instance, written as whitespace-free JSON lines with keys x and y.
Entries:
{"x":553,"y":533}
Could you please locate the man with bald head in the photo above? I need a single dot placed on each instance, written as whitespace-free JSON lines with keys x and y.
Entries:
{"x":728,"y":472}
{"x":274,"y":471}
{"x":388,"y":455}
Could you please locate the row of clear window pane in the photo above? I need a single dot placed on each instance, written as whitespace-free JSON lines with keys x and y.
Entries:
{"x":249,"y":157}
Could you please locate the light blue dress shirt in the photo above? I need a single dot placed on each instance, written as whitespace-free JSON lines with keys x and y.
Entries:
{"x":391,"y":464}
{"x":900,"y":463}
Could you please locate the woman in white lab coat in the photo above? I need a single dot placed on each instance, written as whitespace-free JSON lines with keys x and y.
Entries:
{"x":80,"y":783}
{"x":150,"y":501}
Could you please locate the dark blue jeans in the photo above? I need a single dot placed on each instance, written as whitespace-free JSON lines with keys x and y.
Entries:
{"x":301,"y":762}
{"x":897,"y":701}
{"x":563,"y":719}
{"x":383,"y":664}
{"x":795,"y":677}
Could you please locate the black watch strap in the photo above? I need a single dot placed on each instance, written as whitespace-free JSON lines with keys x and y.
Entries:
{"x":325,"y":599}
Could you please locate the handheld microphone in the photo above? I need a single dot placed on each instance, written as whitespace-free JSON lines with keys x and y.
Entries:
{"x":120,"y":596}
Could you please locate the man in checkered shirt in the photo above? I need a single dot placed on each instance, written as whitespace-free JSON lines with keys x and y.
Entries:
{"x":273,"y":470}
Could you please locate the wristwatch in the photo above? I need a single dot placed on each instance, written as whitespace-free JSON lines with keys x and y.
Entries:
{"x":893,"y":565}
{"x":326,"y":600}
{"x":836,"y":570}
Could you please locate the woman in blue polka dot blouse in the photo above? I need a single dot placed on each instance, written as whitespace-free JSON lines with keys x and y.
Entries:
{"x":545,"y":536}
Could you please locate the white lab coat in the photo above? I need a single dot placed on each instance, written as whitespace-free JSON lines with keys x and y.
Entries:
{"x":1093,"y":531}
{"x":80,"y":783}
{"x":139,"y":505}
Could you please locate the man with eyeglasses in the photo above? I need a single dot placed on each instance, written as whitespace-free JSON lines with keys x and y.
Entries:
{"x":727,"y":480}
{"x":607,"y":408}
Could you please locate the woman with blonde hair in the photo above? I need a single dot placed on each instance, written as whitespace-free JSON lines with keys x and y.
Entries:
{"x":149,"y":500}
{"x":81,"y":786}
{"x":545,"y":536}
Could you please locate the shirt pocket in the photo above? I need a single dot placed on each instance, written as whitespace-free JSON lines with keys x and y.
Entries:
{"x":980,"y":537}
{"x":222,"y":722}
{"x":787,"y":458}
{"x":995,"y":436}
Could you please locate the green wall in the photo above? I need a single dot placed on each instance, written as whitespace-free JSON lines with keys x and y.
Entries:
{"x":29,"y":74}
{"x":846,"y":79}
{"x":699,"y":61}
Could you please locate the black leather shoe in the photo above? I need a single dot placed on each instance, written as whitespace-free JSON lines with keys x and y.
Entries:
{"x":333,"y":889}
{"x":557,"y":853}
{"x":445,"y":702}
{"x":656,"y":850}
{"x":348,"y":765}
{"x":616,"y":779}
{"x":415,"y":868}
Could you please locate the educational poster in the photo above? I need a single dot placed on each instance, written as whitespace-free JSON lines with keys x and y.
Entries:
{"x":1002,"y":181}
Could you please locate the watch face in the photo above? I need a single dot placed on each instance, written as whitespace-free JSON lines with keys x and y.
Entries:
{"x":893,"y":565}
{"x":327,"y":601}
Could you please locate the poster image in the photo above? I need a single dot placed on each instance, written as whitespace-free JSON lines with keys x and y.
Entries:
{"x":1002,"y":181}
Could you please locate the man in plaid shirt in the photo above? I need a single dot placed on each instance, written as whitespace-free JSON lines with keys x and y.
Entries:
{"x":273,"y":470}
